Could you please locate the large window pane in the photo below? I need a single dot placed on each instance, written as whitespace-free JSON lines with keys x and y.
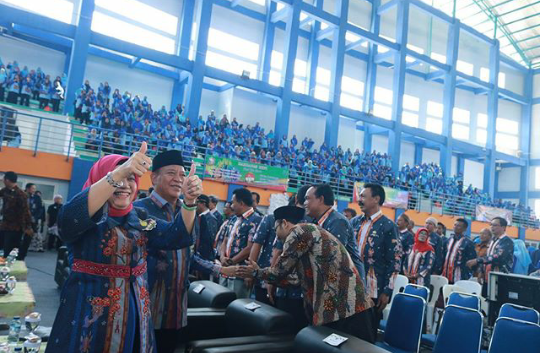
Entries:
{"x":382,"y":111}
{"x":323,"y":76}
{"x":506,"y":142}
{"x":507,"y":126}
{"x":383,"y":95}
{"x":322,"y":93}
{"x":462,"y":116}
{"x":229,"y":64}
{"x":482,"y":120}
{"x":142,"y":13}
{"x":352,"y":86}
{"x":224,"y":41}
{"x":351,"y":102}
{"x":410,"y":119}
{"x":435,"y":109}
{"x":113,"y":27}
{"x":411,"y":102}
{"x":460,"y":131}
{"x":60,"y":10}
{"x":481,"y":136}
{"x":434,"y":125}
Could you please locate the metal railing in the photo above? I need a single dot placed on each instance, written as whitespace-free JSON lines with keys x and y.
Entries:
{"x":58,"y":134}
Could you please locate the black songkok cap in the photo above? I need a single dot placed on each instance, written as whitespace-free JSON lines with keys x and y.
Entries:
{"x":172,"y":157}
{"x":292,"y":213}
{"x":204,"y":199}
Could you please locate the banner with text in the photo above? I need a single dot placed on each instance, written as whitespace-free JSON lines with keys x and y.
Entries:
{"x":486,"y":213}
{"x":394,"y":198}
{"x":246,"y":173}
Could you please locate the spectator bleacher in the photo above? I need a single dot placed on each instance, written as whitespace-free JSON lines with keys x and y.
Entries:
{"x":118,"y":123}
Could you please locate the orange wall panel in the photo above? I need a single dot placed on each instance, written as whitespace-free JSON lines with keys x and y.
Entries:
{"x":45,"y":165}
{"x":532,"y":234}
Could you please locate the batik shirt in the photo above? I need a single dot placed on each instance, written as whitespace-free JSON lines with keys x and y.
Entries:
{"x":460,"y":250}
{"x":15,"y":212}
{"x":421,"y":264}
{"x":265,"y":236}
{"x":241,"y":233}
{"x":438,"y":244}
{"x":338,"y":225}
{"x":499,"y":258}
{"x":380,"y":251}
{"x":406,"y":238}
{"x":208,"y":227}
{"x":331,"y":284}
{"x":167,"y":271}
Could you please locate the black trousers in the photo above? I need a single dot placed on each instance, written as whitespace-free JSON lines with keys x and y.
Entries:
{"x":25,"y":99}
{"x":295,"y":307}
{"x":2,"y":90}
{"x":261,"y":295}
{"x":12,"y":240}
{"x":55,"y":105}
{"x":359,"y":325}
{"x":167,"y":339}
{"x":43,"y":102}
{"x":12,"y":97}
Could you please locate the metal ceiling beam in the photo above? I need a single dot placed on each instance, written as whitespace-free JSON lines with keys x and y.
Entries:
{"x":519,"y":8}
{"x":502,"y":26}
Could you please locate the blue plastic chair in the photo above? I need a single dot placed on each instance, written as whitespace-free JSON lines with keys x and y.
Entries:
{"x":461,"y":331}
{"x":512,"y":335}
{"x":464,"y":300}
{"x":519,"y":312}
{"x":404,"y":325}
{"x":420,"y":291}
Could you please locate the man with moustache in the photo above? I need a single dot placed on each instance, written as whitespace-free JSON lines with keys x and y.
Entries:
{"x":318,"y":205}
{"x":168,"y":270}
{"x":379,"y":245}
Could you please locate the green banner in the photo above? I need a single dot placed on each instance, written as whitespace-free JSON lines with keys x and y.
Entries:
{"x":246,"y":173}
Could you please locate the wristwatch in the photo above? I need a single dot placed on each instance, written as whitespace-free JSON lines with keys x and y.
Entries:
{"x":110,"y":180}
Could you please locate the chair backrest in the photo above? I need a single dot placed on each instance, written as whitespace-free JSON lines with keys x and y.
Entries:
{"x":464,"y":300}
{"x":438,"y":282}
{"x":468,"y":286}
{"x":449,"y":288}
{"x":404,"y":325}
{"x":509,"y":334}
{"x":519,"y":312}
{"x":399,"y":284}
{"x":414,"y":289}
{"x":461,"y":331}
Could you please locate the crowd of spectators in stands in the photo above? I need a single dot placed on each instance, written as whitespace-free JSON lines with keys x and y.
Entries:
{"x":119,"y":122}
{"x":18,"y":86}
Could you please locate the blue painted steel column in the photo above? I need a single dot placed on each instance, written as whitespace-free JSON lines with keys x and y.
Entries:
{"x":265,"y":51}
{"x":186,"y":27}
{"x":460,"y":165}
{"x":525,"y":138}
{"x":371,"y":74}
{"x":313,"y":55}
{"x":418,"y":153}
{"x":449,"y":96}
{"x":79,"y":53}
{"x":400,"y":65}
{"x":203,"y":19}
{"x":289,"y":56}
{"x":331,"y":131}
{"x":493,"y":111}
{"x":67,"y":61}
